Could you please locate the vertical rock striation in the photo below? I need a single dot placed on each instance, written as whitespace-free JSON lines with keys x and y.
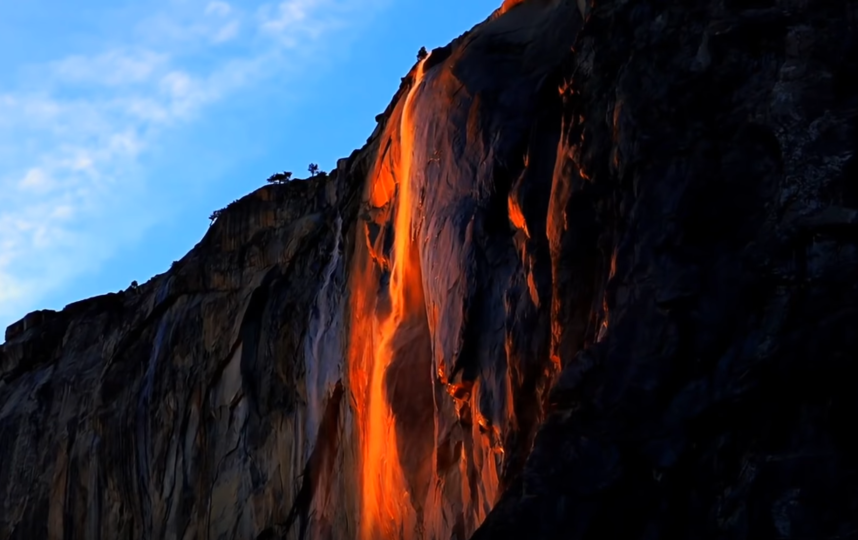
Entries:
{"x":594,"y":275}
{"x":708,"y":178}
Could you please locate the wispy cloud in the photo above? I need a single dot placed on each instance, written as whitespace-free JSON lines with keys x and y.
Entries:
{"x":72,"y":129}
{"x":220,"y":9}
{"x":110,"y":68}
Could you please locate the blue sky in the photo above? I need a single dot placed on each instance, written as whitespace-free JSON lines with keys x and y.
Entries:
{"x":124,"y":124}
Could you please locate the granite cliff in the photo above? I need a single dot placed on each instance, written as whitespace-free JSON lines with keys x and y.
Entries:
{"x":594,"y":275}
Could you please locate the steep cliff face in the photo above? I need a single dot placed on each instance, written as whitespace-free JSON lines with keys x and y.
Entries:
{"x":709,"y":157}
{"x":591,"y":277}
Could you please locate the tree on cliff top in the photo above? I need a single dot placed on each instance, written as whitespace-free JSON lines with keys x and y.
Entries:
{"x":280,"y":178}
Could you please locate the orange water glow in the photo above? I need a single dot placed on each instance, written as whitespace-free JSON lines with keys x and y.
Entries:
{"x":508,"y":5}
{"x":385,"y":505}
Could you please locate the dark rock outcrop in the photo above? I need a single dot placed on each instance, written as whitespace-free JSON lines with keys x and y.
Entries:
{"x":712,"y":151}
{"x":591,"y":277}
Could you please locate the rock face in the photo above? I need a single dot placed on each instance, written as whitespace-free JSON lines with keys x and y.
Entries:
{"x":591,"y":277}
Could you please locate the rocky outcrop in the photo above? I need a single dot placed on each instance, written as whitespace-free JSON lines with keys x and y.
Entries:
{"x":178,"y":410}
{"x":709,"y":172}
{"x":591,"y":277}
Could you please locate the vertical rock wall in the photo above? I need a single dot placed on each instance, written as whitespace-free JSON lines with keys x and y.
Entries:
{"x":708,"y":179}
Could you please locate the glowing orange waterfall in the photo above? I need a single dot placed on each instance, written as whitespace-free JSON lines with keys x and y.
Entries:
{"x":385,"y":505}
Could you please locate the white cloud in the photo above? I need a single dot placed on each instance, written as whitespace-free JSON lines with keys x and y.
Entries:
{"x":75,"y":127}
{"x":35,"y":180}
{"x":294,"y":21}
{"x":177,"y":84}
{"x":111,"y":68}
{"x":285,"y":15}
{"x":220,"y":9}
{"x":226,"y":32}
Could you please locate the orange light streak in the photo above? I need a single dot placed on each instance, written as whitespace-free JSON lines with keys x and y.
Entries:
{"x":385,"y":505}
